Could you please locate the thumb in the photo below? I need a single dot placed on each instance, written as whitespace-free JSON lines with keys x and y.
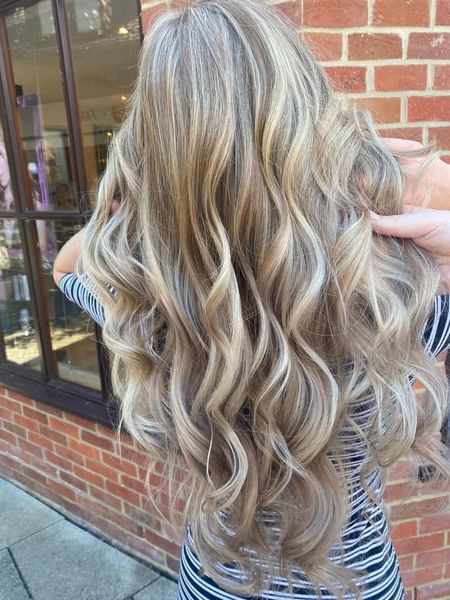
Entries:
{"x":407,"y":225}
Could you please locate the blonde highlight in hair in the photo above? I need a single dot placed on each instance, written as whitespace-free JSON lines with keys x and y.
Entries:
{"x":256,"y":316}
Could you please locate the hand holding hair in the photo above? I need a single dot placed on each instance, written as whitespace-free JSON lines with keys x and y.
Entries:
{"x":433,"y":189}
{"x":428,"y":228}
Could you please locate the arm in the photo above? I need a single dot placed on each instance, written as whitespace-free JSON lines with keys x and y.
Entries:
{"x":67,"y":257}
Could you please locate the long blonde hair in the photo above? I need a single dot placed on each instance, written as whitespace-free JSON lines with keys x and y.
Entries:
{"x":255,"y":312}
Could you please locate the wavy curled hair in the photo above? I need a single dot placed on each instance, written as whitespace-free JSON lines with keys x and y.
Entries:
{"x":255,"y":311}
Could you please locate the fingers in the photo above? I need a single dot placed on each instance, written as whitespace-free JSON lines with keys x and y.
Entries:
{"x":401,"y":143}
{"x":408,"y":225}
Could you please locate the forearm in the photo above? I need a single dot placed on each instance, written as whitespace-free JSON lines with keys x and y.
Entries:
{"x":66,"y":260}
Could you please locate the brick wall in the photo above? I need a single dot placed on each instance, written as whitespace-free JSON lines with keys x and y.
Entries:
{"x":390,"y":55}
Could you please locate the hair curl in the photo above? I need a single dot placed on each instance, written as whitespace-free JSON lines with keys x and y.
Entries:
{"x":255,"y":313}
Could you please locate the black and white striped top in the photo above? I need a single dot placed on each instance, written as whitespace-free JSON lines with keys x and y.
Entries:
{"x":367,"y":545}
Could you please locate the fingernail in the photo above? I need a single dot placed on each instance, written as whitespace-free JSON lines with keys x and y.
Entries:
{"x":374,"y":216}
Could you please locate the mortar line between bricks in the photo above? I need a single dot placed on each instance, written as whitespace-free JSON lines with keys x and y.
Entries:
{"x":19,"y":572}
{"x":433,"y":9}
{"x":375,"y":29}
{"x":386,"y":62}
{"x":401,"y":94}
{"x":370,"y":12}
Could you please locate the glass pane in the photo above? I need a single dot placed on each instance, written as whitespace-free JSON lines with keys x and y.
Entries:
{"x":105,"y":40}
{"x":40,"y":106}
{"x":6,"y":193}
{"x":17,"y":324}
{"x":72,"y":330}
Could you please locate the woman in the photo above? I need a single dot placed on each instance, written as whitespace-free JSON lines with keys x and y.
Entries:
{"x":260,"y":334}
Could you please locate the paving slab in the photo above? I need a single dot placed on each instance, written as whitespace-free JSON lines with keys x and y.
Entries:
{"x":21,"y":514}
{"x":161,"y":589}
{"x":66,"y":562}
{"x":11,"y":586}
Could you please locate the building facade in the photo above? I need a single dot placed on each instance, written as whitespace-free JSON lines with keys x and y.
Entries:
{"x":66,"y":71}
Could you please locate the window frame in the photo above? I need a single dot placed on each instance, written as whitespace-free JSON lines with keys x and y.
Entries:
{"x":46,"y":386}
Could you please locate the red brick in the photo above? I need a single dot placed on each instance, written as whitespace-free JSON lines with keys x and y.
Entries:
{"x":406,"y":562}
{"x":97,"y":440}
{"x":161,"y":542}
{"x":65,"y":427}
{"x":173,"y":564}
{"x":135,"y":484}
{"x":81,"y":421}
{"x":104,"y":430}
{"x":401,"y":13}
{"x":48,"y":409}
{"x":6,"y":414}
{"x":434,"y":591}
{"x":407,"y":133}
{"x":429,"y":45}
{"x":428,"y":108}
{"x":432,"y":558}
{"x":89,"y":476}
{"x":62,"y":489}
{"x":292,"y":10}
{"x":69,"y":454}
{"x":8,"y":436}
{"x":442,"y":12}
{"x":123,"y":466}
{"x":384,"y":110}
{"x":122,"y":492}
{"x":105,"y":497}
{"x":30,"y":448}
{"x":35,"y":414}
{"x":400,"y":77}
{"x":74,"y":481}
{"x":404,"y":530}
{"x":442,"y":77}
{"x":103,"y":470}
{"x":148,"y":16}
{"x":12,"y":405}
{"x":146,"y":549}
{"x":34,"y":475}
{"x":40,"y":440}
{"x":419,"y":544}
{"x":138,"y":458}
{"x":348,"y":79}
{"x":324,"y":46}
{"x":25,"y":422}
{"x":142,"y":516}
{"x":374,"y":46}
{"x":57,"y":460}
{"x":43,"y":465}
{"x":84,"y":449}
{"x":50,"y":433}
{"x":431,"y":524}
{"x":334,"y":13}
{"x":19,"y":397}
{"x":398,"y":491}
{"x":421,"y":576}
{"x":13,"y":428}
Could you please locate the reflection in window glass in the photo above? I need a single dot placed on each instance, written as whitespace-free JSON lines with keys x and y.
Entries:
{"x":17,"y":324}
{"x":40,"y":105}
{"x":105,"y":40}
{"x":72,"y":330}
{"x":6,"y":193}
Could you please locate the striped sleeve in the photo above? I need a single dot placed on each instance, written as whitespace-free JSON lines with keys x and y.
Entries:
{"x":436,"y":336}
{"x":76,"y":291}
